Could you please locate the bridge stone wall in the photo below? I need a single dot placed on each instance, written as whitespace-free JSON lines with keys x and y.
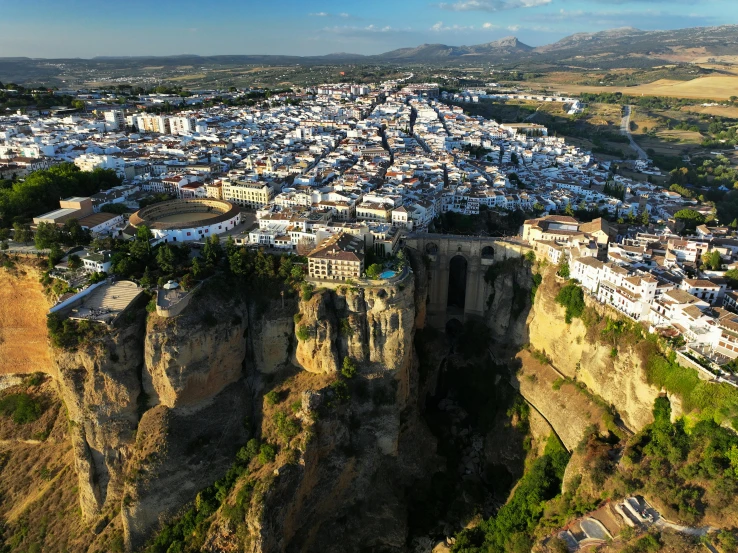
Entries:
{"x":438,"y":251}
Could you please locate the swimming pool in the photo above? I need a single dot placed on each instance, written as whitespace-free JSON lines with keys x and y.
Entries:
{"x":387,"y":274}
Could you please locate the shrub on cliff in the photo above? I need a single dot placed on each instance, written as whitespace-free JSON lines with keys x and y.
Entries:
{"x":511,"y":529}
{"x":272,"y":398}
{"x":267,"y":453}
{"x":303,"y":333}
{"x":349,"y":367}
{"x":21,"y":407}
{"x":287,"y":427}
{"x":68,"y":334}
{"x":563,"y":271}
{"x":571,"y":297}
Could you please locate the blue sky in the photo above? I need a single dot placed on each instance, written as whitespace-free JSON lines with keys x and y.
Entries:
{"x":86,"y":28}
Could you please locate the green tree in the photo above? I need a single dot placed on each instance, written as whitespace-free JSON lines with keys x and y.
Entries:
{"x":47,"y":235}
{"x":373,"y":271}
{"x":147,"y":280}
{"x":73,"y":234}
{"x":196,"y":268}
{"x":645,"y":217}
{"x":22,"y":233}
{"x":165,"y":259}
{"x":571,"y":298}
{"x":690,"y":217}
{"x":74,"y":262}
{"x":712,"y":260}
{"x":212,"y":251}
{"x":563,"y":271}
{"x":348,"y":369}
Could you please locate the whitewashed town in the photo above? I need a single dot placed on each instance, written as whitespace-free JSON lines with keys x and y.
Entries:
{"x":355,"y":168}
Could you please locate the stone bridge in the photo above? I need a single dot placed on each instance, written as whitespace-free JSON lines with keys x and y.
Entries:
{"x":456,"y":268}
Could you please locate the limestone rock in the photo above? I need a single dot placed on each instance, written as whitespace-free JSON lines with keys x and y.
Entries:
{"x":193,"y":357}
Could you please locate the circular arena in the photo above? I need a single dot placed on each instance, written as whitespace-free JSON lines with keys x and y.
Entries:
{"x":187,"y":220}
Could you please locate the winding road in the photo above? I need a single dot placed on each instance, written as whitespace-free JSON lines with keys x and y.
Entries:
{"x":625,"y":129}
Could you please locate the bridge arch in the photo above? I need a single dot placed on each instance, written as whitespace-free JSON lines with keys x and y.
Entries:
{"x":458,"y":276}
{"x":455,"y":272}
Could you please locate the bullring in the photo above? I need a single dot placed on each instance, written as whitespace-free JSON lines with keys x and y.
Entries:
{"x":187,"y":220}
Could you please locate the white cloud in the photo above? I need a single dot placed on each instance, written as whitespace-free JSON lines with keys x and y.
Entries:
{"x":491,"y":5}
{"x":369,"y":29}
{"x":490,"y":26}
{"x":513,"y":28}
{"x":342,"y":15}
{"x":441,"y":28}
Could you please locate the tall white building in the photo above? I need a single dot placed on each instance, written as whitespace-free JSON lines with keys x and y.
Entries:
{"x":152,"y":123}
{"x":90,"y":162}
{"x":115,"y":120}
{"x":182,"y":125}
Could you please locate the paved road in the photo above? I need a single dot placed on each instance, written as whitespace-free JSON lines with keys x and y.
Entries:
{"x":625,"y":129}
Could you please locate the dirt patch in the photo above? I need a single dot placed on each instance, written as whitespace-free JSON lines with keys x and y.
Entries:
{"x":23,"y":308}
{"x":39,"y":506}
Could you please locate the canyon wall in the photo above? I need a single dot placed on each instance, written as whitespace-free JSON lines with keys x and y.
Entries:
{"x":157,"y":408}
{"x":348,"y":492}
{"x":582,"y":354}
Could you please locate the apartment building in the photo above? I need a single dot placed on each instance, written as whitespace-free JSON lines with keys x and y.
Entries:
{"x":115,"y":120}
{"x":152,"y":123}
{"x":182,"y":125}
{"x":339,"y":257}
{"x":247,"y":193}
{"x":704,"y":290}
{"x":370,"y":211}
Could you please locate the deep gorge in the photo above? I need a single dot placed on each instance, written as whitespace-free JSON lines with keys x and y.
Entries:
{"x":229,"y":428}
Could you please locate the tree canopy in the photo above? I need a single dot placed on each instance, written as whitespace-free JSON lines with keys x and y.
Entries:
{"x":40,"y":191}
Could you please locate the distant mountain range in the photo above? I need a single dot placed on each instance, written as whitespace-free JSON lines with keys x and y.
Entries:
{"x":624,"y":47}
{"x":586,"y":49}
{"x":605,"y":45}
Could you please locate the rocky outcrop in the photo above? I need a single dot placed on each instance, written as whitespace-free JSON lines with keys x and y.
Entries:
{"x":191,"y":358}
{"x":567,"y":410}
{"x":271,"y":336}
{"x":157,"y":408}
{"x":99,"y":384}
{"x":510,"y":303}
{"x":180,"y":451}
{"x":620,"y":380}
{"x":347,"y":493}
{"x":371,"y":325}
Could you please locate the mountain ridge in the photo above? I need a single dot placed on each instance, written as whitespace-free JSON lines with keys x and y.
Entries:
{"x":624,"y":47}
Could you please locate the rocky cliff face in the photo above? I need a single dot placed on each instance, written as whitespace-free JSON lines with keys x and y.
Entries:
{"x":373,"y":325}
{"x":191,"y":358}
{"x":99,"y":383}
{"x":157,"y":408}
{"x":348,"y":491}
{"x":620,"y":380}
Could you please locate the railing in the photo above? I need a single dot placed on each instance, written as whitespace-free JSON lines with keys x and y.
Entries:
{"x":77,"y":297}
